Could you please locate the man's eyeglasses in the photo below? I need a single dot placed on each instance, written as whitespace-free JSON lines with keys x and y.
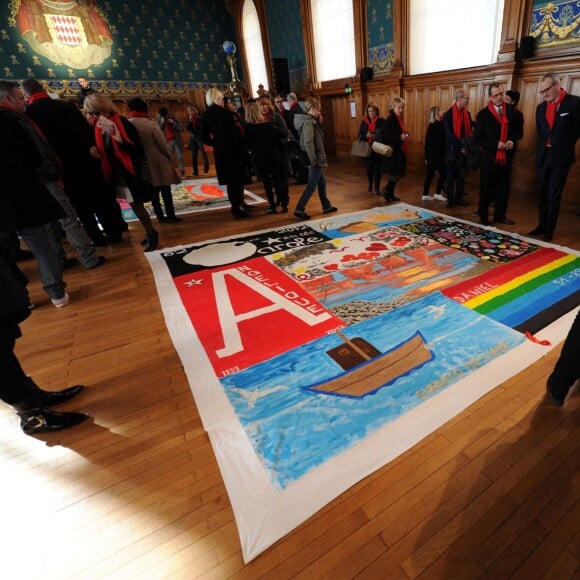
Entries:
{"x":544,"y":91}
{"x":497,"y":95}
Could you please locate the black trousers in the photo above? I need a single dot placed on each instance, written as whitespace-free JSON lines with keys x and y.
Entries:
{"x":433,"y":168}
{"x":493,"y":187}
{"x":551,"y":182}
{"x":165,"y":192}
{"x":15,"y":386}
{"x":235,"y":193}
{"x":454,"y":182}
{"x":567,"y":369}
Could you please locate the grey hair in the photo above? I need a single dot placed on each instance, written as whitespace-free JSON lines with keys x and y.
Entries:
{"x":7,"y":89}
{"x":550,"y":76}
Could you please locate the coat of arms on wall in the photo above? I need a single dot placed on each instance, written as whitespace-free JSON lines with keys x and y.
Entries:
{"x":70,"y":32}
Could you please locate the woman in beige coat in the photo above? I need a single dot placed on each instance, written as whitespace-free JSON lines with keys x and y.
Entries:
{"x":161,"y":170}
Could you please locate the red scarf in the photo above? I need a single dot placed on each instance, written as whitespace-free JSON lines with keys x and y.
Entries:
{"x":500,"y":156}
{"x":122,"y":156}
{"x":552,"y":107}
{"x":372,"y":126}
{"x":37,"y":97}
{"x":461,"y":121}
{"x":169,"y":133}
{"x":403,"y":132}
{"x":138,"y":114}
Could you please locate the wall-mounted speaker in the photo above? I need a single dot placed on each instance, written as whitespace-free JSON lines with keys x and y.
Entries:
{"x":366,"y":74}
{"x":527,"y":47}
{"x":281,"y":75}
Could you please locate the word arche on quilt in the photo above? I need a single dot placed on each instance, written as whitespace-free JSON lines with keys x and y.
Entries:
{"x":318,"y":352}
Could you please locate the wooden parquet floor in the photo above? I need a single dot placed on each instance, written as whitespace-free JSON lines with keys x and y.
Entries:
{"x":136,"y":491}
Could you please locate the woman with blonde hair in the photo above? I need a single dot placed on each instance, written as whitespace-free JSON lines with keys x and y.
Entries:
{"x":223,"y":131}
{"x":435,"y":155}
{"x":263,"y":140}
{"x":122,"y":159}
{"x":394,"y":133}
{"x":312,"y":143}
{"x":272,"y":116}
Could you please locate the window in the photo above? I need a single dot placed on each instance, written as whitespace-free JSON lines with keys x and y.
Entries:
{"x":333,"y":31}
{"x":254,"y":48}
{"x":453,"y":34}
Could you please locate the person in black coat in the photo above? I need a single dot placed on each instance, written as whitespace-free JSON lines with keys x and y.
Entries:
{"x":457,"y":124}
{"x":392,"y":132}
{"x":71,"y":136}
{"x":30,"y":213}
{"x":264,"y":141}
{"x":558,"y":128}
{"x":123,"y":160}
{"x":222,"y":131}
{"x":25,"y":204}
{"x":435,"y":155}
{"x":567,"y":369}
{"x":493,"y":133}
{"x":367,"y":132}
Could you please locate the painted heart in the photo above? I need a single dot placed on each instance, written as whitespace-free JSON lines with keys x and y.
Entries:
{"x":330,"y":266}
{"x":376,"y":247}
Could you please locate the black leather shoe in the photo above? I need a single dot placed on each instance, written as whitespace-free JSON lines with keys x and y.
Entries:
{"x":461,"y":202}
{"x":241,"y":214}
{"x":69,"y":263}
{"x":271,"y":210}
{"x":174,"y":220}
{"x":100,"y":261}
{"x":152,"y":240}
{"x":301,"y":215}
{"x":547,"y":237}
{"x":330,"y":209}
{"x":553,"y":401}
{"x":43,"y":420}
{"x":537,"y":231}
{"x":505,"y":221}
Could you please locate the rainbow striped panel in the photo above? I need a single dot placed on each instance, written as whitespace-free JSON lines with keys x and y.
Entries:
{"x":526,"y":294}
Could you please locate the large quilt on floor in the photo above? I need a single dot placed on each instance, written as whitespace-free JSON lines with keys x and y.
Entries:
{"x":320,"y":351}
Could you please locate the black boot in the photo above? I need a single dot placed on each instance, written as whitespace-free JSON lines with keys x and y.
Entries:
{"x":35,"y":397}
{"x":151,"y":241}
{"x":389,"y":192}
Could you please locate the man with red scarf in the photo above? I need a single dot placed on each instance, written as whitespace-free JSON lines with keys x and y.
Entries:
{"x":457,"y":125}
{"x":493,"y":133}
{"x":558,"y":128}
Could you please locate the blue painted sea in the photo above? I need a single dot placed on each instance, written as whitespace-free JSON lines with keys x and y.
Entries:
{"x":294,"y":430}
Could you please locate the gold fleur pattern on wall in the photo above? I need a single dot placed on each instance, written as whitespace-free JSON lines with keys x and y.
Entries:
{"x":149,"y":41}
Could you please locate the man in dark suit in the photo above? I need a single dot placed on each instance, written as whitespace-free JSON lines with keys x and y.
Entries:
{"x":457,"y":125}
{"x":493,"y":133}
{"x":558,"y":128}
